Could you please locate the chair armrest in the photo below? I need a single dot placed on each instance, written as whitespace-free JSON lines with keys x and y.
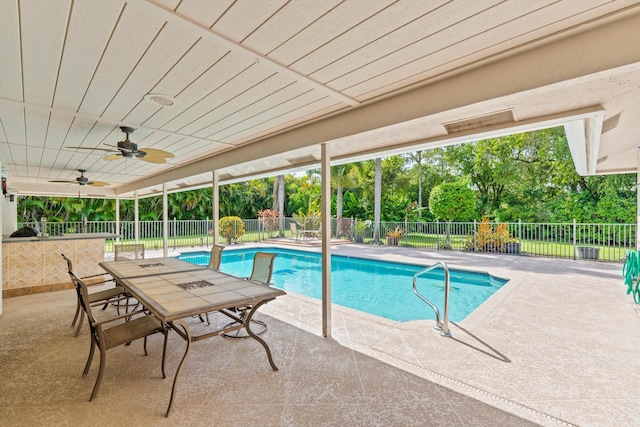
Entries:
{"x":96,"y":275}
{"x":102,"y":322}
{"x":107,"y":301}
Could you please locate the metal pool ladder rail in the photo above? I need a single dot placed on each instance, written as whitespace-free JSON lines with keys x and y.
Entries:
{"x":444,"y":325}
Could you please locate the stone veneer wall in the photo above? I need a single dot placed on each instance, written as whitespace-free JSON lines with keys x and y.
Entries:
{"x":36,"y":266}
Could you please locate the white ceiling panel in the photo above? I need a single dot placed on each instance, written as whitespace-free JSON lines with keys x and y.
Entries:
{"x":57,"y":130}
{"x":19,"y":155}
{"x":83,"y":50}
{"x":242,"y":80}
{"x":363,"y":34}
{"x":257,"y":82}
{"x":266,"y":108}
{"x":287,"y":22}
{"x":168,"y":48}
{"x":292,"y":115}
{"x":430,"y":33}
{"x":264,"y":94}
{"x":10,"y":51}
{"x":239,"y":21}
{"x":326,"y":28}
{"x":204,"y":12}
{"x":37,"y":122}
{"x":43,"y":34}
{"x":128,"y":43}
{"x":12,"y":115}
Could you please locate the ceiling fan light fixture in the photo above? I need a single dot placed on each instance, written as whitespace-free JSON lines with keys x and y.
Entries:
{"x":160,"y":100}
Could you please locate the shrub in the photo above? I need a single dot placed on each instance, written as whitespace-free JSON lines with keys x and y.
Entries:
{"x":308,"y":221}
{"x":394,"y":234}
{"x":344,"y":227}
{"x":231,"y":228}
{"x":270,"y":220}
{"x":486,"y":239}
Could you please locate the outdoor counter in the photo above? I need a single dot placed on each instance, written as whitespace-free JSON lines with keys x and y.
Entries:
{"x":33,"y":264}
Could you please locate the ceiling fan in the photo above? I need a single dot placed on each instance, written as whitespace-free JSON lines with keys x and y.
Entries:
{"x":129,"y":150}
{"x":82,"y":180}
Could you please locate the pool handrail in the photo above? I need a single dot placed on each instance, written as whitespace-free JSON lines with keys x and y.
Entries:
{"x":444,"y":325}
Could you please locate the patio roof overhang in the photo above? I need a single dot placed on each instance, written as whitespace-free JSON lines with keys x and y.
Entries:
{"x":257,"y":92}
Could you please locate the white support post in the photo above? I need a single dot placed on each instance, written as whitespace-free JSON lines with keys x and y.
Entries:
{"x":216,"y":207}
{"x":118,"y":218}
{"x":326,"y":240}
{"x":136,"y":218}
{"x":165,"y":222}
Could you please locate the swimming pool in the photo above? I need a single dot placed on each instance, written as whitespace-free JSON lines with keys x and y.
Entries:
{"x":377,"y":287}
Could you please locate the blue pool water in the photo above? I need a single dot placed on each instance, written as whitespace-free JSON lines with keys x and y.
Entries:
{"x":376,"y":287}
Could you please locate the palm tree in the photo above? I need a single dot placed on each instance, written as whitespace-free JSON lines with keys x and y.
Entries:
{"x":278,"y":200}
{"x":340,"y":177}
{"x":417,"y":157}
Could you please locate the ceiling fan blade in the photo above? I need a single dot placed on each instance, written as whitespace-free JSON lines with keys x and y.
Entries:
{"x":97,"y":183}
{"x":153,"y":159}
{"x":158,"y":153}
{"x":92,"y":148}
{"x":62,"y":181}
{"x":118,"y":148}
{"x":112,"y":157}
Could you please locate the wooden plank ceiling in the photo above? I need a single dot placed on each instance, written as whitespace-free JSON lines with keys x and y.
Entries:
{"x":246,"y":77}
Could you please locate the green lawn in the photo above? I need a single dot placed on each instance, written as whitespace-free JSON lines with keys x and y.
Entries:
{"x":414,"y":240}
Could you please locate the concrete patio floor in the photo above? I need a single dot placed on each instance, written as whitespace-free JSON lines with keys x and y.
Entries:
{"x":558,"y":345}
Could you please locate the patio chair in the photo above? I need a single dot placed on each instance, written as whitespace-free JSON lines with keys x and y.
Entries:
{"x":127,"y":251}
{"x":214,"y":264}
{"x":294,"y":230}
{"x":106,"y":338}
{"x":103,"y":297}
{"x":261,"y":272}
{"x":216,"y":257}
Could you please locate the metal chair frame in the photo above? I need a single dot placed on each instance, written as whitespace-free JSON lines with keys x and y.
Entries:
{"x":106,"y":338}
{"x":261,"y":272}
{"x":104,"y":297}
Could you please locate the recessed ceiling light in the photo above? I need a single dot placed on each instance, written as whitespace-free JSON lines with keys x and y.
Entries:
{"x":161,"y":100}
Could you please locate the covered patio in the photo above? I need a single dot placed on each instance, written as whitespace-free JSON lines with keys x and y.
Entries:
{"x":233,"y":92}
{"x":556,"y":346}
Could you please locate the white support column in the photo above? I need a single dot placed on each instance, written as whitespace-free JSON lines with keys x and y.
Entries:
{"x":165,"y":222}
{"x":118,"y":218}
{"x":10,"y":213}
{"x":216,"y":207}
{"x":326,"y":240}
{"x":136,"y":218}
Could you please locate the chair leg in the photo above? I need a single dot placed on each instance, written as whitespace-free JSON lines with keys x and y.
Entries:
{"x":100,"y":372}
{"x":90,"y":358}
{"x":164,"y":352}
{"x":77,"y":313}
{"x":80,"y":323}
{"x":145,"y":346}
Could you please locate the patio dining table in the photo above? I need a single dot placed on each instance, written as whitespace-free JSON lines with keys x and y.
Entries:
{"x":174,"y":290}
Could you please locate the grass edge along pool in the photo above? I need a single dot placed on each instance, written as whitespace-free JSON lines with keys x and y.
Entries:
{"x":381,"y":288}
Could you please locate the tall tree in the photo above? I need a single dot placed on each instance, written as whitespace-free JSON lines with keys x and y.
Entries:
{"x":452,"y":201}
{"x":417,"y":158}
{"x":278,"y":200}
